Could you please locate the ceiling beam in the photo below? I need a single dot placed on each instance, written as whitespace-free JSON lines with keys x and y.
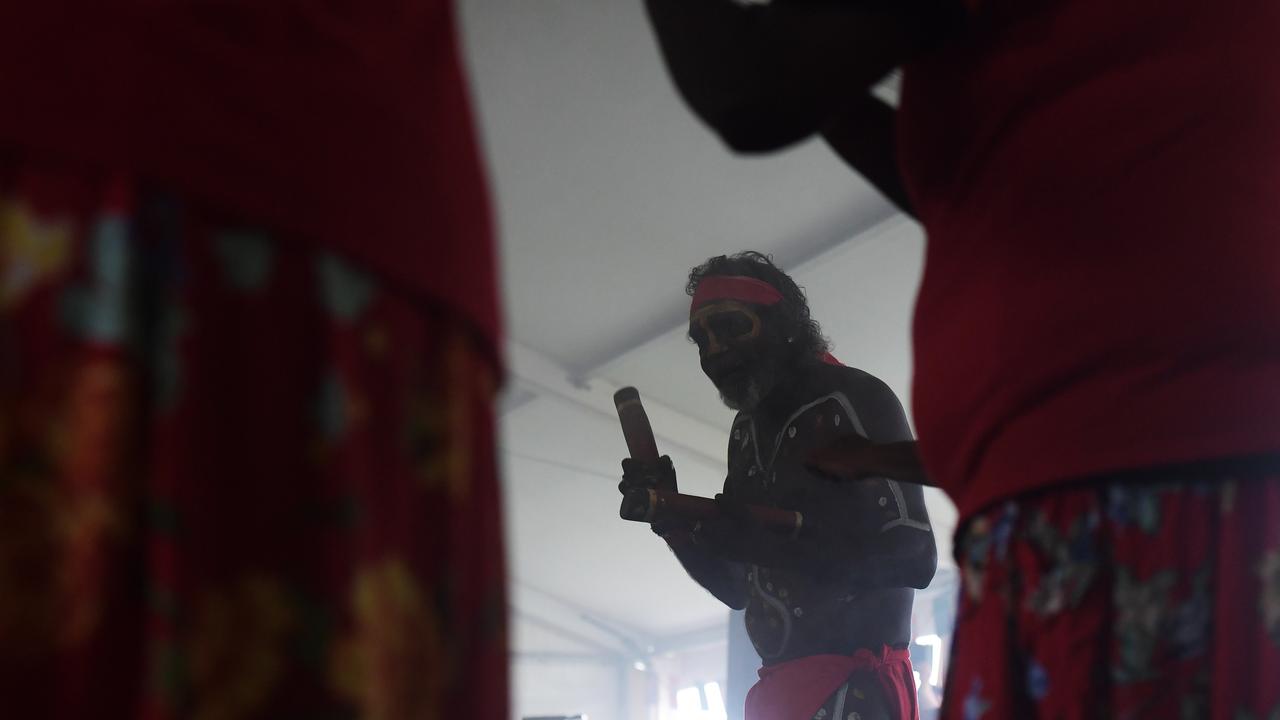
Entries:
{"x":558,"y":658}
{"x":717,"y":634}
{"x":538,"y":374}
{"x":564,"y":633}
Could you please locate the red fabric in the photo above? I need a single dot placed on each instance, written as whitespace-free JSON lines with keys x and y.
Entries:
{"x":1124,"y":599}
{"x":734,"y":287}
{"x":1098,"y":181}
{"x":795,"y":690}
{"x":345,"y":122}
{"x":240,"y":477}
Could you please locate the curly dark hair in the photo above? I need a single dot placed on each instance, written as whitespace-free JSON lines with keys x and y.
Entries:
{"x":793,"y":311}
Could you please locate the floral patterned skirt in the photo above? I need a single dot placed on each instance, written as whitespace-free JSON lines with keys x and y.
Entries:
{"x":239,"y":477}
{"x":1125,"y":599}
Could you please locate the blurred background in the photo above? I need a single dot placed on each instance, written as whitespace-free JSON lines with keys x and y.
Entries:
{"x":607,"y":191}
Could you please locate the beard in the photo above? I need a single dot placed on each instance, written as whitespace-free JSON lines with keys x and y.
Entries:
{"x":745,"y":395}
{"x":746,"y":374}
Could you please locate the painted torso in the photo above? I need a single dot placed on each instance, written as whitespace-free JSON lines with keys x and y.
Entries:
{"x":791,"y":613}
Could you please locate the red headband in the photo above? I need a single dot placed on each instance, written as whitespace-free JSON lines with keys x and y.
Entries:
{"x":742,"y":289}
{"x":734,"y":287}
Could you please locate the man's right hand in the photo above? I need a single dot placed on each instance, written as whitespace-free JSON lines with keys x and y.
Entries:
{"x":659,"y":475}
{"x":641,"y":475}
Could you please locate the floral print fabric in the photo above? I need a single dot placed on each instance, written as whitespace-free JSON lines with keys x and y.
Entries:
{"x":1122,"y":600}
{"x":239,"y":476}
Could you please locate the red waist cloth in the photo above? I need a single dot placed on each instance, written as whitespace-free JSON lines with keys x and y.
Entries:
{"x":795,"y":690}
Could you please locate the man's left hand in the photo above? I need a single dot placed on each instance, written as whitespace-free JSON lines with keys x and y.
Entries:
{"x":736,"y":537}
{"x":733,"y":535}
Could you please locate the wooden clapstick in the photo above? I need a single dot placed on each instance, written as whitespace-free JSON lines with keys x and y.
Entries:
{"x":635,"y":425}
{"x":651,"y":505}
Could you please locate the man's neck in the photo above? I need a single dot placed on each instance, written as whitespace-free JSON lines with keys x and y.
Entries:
{"x":782,"y":398}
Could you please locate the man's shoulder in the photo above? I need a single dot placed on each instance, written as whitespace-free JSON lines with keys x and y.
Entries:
{"x":850,"y":381}
{"x":831,"y":400}
{"x":871,"y":404}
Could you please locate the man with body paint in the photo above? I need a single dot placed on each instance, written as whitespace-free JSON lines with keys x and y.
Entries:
{"x":829,"y":612}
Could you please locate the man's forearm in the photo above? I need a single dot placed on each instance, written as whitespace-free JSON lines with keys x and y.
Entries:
{"x":863,"y":136}
{"x":853,"y":459}
{"x":898,"y":461}
{"x":714,"y":574}
{"x":716,"y":53}
{"x":767,"y":76}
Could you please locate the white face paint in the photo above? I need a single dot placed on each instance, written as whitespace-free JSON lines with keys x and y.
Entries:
{"x":734,"y":351}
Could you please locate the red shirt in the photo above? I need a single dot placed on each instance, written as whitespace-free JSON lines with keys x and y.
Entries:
{"x":343,"y":122}
{"x":1100,"y":184}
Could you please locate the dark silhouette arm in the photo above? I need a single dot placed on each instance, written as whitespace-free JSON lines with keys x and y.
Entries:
{"x":766,"y":76}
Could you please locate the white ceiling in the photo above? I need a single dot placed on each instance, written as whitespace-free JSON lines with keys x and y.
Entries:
{"x":607,"y":192}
